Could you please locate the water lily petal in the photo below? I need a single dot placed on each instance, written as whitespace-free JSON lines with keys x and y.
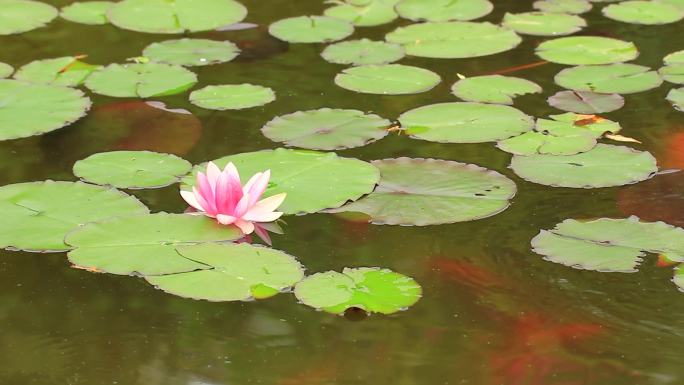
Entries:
{"x":213,"y":173}
{"x":267,"y":205}
{"x":250,"y":183}
{"x":189,"y":197}
{"x":246,"y":227}
{"x":207,"y":193}
{"x":242,"y":206}
{"x":259,"y":186}
{"x":261,"y":232}
{"x":225,"y":219}
{"x":262,"y":217}
{"x":202,"y":202}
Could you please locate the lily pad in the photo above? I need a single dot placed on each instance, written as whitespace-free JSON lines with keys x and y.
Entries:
{"x":460,"y":122}
{"x":140,"y":80}
{"x":454,"y":40}
{"x":5,"y":70}
{"x":443,"y":10}
{"x":584,"y":102}
{"x":620,"y":78}
{"x":372,"y":289}
{"x":368,"y":14}
{"x":232,"y":96}
{"x":66,"y":71}
{"x":676,"y":97}
{"x":362,"y":52}
{"x":603,"y":166}
{"x":674,"y":58}
{"x":87,"y":12}
{"x":673,"y":73}
{"x":175,"y":16}
{"x":543,"y":23}
{"x":574,"y":7}
{"x":132,"y":169}
{"x":237,"y":272}
{"x":311,"y":29}
{"x":387,"y":79}
{"x":191,"y":52}
{"x":145,"y":244}
{"x":17,"y":16}
{"x":587,"y":50}
{"x":493,"y":88}
{"x":312,"y":180}
{"x":37,"y":215}
{"x":326,"y":129}
{"x":32,"y":109}
{"x":643,"y":12}
{"x":425,"y":192}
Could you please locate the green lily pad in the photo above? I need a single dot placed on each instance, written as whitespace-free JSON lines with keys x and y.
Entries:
{"x":232,"y":96}
{"x":132,"y":169}
{"x":459,"y":122}
{"x":5,"y":70}
{"x":145,"y":244}
{"x":587,"y":50}
{"x":387,"y":79}
{"x":175,"y":16}
{"x":87,"y":12}
{"x":620,"y":78}
{"x":369,"y":14}
{"x":191,"y":52}
{"x":425,"y":192}
{"x":643,"y":12}
{"x":673,"y":71}
{"x":311,"y":29}
{"x":603,"y":166}
{"x":677,"y":3}
{"x":65,"y":71}
{"x":362,"y":52}
{"x":674,"y":58}
{"x":326,"y":129}
{"x":312,"y":180}
{"x":17,"y":16}
{"x":574,"y":7}
{"x":31,"y":109}
{"x":37,"y":215}
{"x":140,"y":80}
{"x":676,"y":97}
{"x":493,"y":88}
{"x":454,"y":40}
{"x":543,"y":23}
{"x":238,"y":272}
{"x":443,"y":10}
{"x":584,"y":102}
{"x":372,"y":289}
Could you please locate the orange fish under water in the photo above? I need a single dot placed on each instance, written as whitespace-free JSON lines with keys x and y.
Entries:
{"x":466,"y":273}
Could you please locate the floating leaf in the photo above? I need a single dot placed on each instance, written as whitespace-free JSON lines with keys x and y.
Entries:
{"x":443,"y":10}
{"x":237,"y":272}
{"x":621,"y":78}
{"x":563,"y":6}
{"x":191,"y":52}
{"x":425,"y":192}
{"x":676,"y":97}
{"x":232,"y":96}
{"x":66,"y":71}
{"x":310,"y":29}
{"x":175,"y":16}
{"x":579,"y":50}
{"x":493,"y":88}
{"x":454,"y":40}
{"x":132,"y":169}
{"x":603,"y":166}
{"x":87,"y":12}
{"x":677,"y":3}
{"x":326,"y":129}
{"x":33,"y":109}
{"x":674,"y":58}
{"x":17,"y":16}
{"x":543,"y":23}
{"x":673,"y":71}
{"x":37,"y":215}
{"x":140,"y":80}
{"x":372,"y":289}
{"x":362,"y":52}
{"x":465,"y":122}
{"x":369,"y":14}
{"x":145,"y":244}
{"x":584,"y":102}
{"x":643,"y":12}
{"x":5,"y":70}
{"x":387,"y":79}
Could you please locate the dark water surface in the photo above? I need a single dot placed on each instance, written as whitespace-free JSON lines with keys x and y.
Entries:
{"x":493,"y":312}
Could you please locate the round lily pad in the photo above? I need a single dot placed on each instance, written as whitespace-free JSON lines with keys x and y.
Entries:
{"x":603,"y":166}
{"x":312,"y":180}
{"x":362,"y":52}
{"x":673,"y":73}
{"x":87,"y":12}
{"x":17,"y":16}
{"x":372,"y":289}
{"x":140,"y":80}
{"x":232,"y":96}
{"x":443,"y":10}
{"x":32,"y":109}
{"x":543,"y":23}
{"x":677,"y":3}
{"x":493,"y":88}
{"x":326,"y":129}
{"x":586,"y":50}
{"x":5,"y":70}
{"x":584,"y":102}
{"x":676,"y":97}
{"x":66,"y":71}
{"x":574,"y":7}
{"x":237,"y":272}
{"x":620,"y":78}
{"x":368,"y":14}
{"x":643,"y":12}
{"x":191,"y":52}
{"x":145,"y":244}
{"x":425,"y":192}
{"x":465,"y":122}
{"x":37,"y":215}
{"x":454,"y":40}
{"x":132,"y":169}
{"x":674,"y":58}
{"x":387,"y":79}
{"x":311,"y":29}
{"x":175,"y":16}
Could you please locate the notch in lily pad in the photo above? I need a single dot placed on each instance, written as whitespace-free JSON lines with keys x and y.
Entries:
{"x":191,"y":52}
{"x":362,"y":52}
{"x":493,"y":88}
{"x":144,"y":80}
{"x":68,"y":71}
{"x":311,"y":29}
{"x":363,"y":14}
{"x":87,"y":12}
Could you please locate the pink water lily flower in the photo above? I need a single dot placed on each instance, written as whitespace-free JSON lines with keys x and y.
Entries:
{"x":220,"y":194}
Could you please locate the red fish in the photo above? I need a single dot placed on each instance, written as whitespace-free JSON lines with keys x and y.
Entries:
{"x":466,"y":273}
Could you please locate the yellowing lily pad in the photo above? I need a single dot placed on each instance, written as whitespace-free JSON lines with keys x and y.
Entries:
{"x":66,"y":71}
{"x":87,"y":12}
{"x":586,"y":50}
{"x":584,"y":102}
{"x":620,"y":78}
{"x":232,"y":96}
{"x":493,"y":88}
{"x":140,"y":80}
{"x":443,"y":10}
{"x":311,"y":29}
{"x":643,"y":12}
{"x":387,"y":79}
{"x":543,"y":23}
{"x":362,"y":52}
{"x":191,"y":52}
{"x":17,"y":16}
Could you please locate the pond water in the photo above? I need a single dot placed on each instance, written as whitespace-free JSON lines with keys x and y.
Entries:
{"x":492,"y":311}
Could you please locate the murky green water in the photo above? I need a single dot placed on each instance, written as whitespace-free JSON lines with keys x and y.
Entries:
{"x":493,"y":312}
